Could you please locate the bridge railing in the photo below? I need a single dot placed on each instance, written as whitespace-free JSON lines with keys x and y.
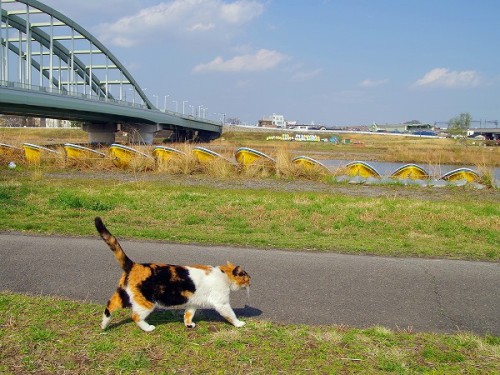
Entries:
{"x":80,"y":95}
{"x":63,"y":92}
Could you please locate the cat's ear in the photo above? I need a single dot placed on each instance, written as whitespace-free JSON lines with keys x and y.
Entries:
{"x":230,"y":265}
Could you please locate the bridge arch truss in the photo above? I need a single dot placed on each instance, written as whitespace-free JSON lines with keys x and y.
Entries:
{"x":52,"y":67}
{"x":41,"y":47}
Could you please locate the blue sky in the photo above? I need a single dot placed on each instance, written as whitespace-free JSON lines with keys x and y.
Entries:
{"x":332,"y":62}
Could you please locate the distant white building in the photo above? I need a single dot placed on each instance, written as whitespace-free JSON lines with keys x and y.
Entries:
{"x":278,"y":120}
{"x":274,"y":121}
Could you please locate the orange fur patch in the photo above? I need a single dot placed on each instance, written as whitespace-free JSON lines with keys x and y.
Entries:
{"x":186,"y":293}
{"x":228,"y":268}
{"x":137,"y":275}
{"x":122,"y":280}
{"x":188,"y":317}
{"x":135,"y":317}
{"x":119,"y":254}
{"x":173,"y":272}
{"x":115,"y":302}
{"x":242,"y":279}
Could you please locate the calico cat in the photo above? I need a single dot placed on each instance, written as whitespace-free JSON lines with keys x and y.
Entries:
{"x":142,"y":287}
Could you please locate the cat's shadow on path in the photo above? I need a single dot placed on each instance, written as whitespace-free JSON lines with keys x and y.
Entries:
{"x":160,"y":317}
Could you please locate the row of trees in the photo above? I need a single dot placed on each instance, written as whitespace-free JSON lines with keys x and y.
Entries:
{"x":460,"y":124}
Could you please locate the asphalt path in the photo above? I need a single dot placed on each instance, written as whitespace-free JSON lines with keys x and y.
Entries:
{"x":287,"y":287}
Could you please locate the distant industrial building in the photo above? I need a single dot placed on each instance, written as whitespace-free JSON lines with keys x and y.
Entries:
{"x":402,"y":128}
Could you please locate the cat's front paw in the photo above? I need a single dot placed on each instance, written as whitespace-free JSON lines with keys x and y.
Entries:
{"x":190,"y":325}
{"x":239,"y":323}
{"x":145,"y":326}
{"x":150,"y":328}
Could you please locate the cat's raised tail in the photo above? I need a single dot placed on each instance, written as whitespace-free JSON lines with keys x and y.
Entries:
{"x":114,"y":245}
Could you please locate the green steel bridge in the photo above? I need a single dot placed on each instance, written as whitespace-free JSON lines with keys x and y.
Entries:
{"x":52,"y":67}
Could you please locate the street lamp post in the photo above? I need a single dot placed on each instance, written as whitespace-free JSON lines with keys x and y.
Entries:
{"x":183,"y":104}
{"x":165,"y":103}
{"x":133,"y":94}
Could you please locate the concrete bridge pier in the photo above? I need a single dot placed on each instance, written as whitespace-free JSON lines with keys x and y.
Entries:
{"x":101,"y":133}
{"x":141,"y":134}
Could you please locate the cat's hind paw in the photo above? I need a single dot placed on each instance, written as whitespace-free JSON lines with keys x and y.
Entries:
{"x":239,"y":323}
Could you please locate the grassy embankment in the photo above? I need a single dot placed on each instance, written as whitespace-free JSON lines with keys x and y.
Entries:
{"x":50,"y":335}
{"x":452,"y":225}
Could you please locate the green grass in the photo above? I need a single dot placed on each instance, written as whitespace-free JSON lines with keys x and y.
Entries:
{"x":52,"y":335}
{"x":455,"y":224}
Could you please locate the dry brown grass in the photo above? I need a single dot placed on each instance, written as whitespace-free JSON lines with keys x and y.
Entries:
{"x":284,"y":166}
{"x":487,"y":175}
{"x":42,"y":136}
{"x":369,"y":147}
{"x":183,"y":164}
{"x":259,"y":169}
{"x":11,"y":155}
{"x":96,"y":163}
{"x":446,"y":152}
{"x":219,"y":168}
{"x":432,"y":154}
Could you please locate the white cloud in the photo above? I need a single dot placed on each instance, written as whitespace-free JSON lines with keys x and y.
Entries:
{"x":262,"y":60}
{"x":241,"y":11}
{"x":303,"y":76}
{"x":373,"y":83}
{"x":442,"y":77}
{"x":201,"y":27}
{"x":181,"y":18}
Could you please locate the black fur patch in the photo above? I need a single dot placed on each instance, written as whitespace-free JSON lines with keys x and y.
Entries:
{"x":100,"y":225}
{"x":166,"y":287}
{"x":124,"y":297}
{"x":127,"y":267}
{"x":107,"y":313}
